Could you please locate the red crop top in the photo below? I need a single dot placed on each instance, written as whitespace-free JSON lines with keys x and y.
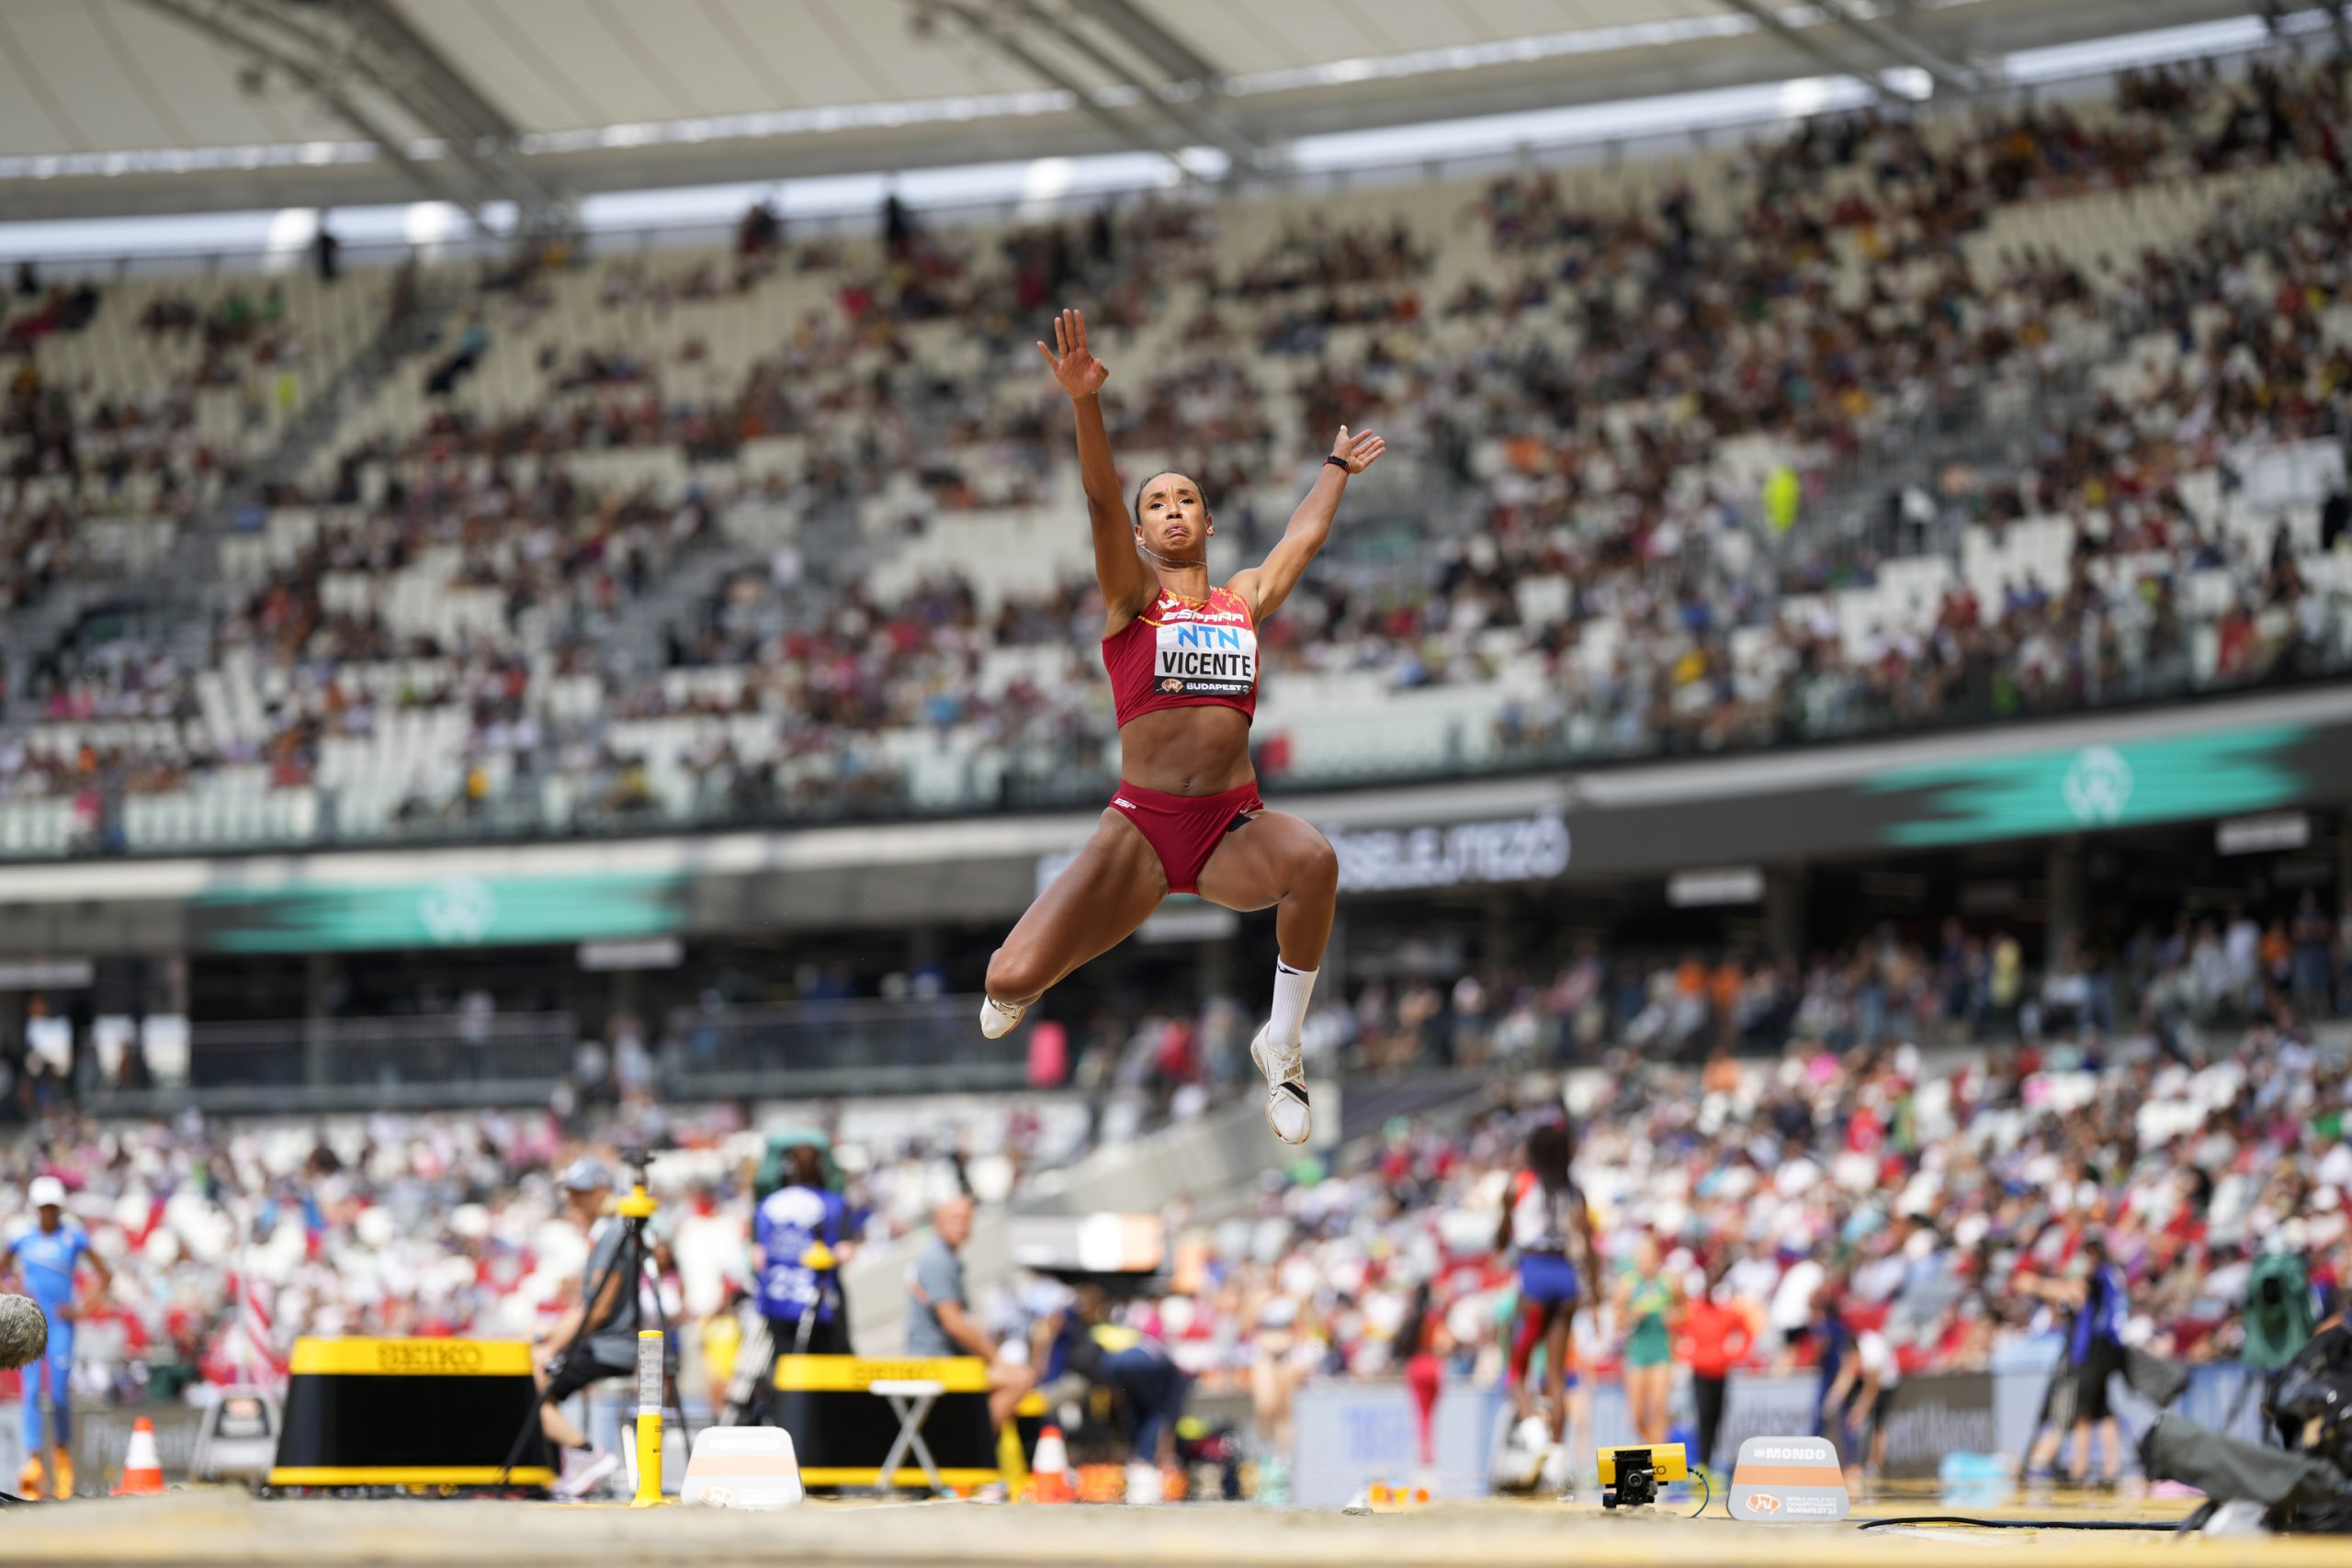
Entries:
{"x":1180,"y":652}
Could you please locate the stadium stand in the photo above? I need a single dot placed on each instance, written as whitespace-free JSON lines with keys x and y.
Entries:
{"x":1995,"y":1163}
{"x":1885,"y":427}
{"x":446,"y":628}
{"x":1792,"y":1157}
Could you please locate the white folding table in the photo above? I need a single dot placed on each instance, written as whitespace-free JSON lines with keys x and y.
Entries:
{"x":910,"y":1399}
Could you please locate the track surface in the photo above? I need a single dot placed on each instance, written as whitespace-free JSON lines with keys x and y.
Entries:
{"x":212,"y":1528}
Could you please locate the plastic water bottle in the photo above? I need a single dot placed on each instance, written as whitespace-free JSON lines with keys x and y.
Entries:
{"x":1972,"y":1480}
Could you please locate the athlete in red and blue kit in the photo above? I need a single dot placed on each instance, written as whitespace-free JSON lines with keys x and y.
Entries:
{"x":1186,"y":818}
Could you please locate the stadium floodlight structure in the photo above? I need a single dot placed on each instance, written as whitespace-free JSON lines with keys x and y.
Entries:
{"x":1163,"y":96}
{"x":1809,"y":42}
{"x":336,"y":48}
{"x":1893,"y":41}
{"x":1187,"y":102}
{"x":1885,"y":43}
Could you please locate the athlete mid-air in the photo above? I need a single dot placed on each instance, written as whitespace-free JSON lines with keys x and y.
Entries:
{"x":1183,"y":663}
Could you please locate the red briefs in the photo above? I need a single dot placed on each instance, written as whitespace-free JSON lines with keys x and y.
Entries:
{"x":1185,"y":829}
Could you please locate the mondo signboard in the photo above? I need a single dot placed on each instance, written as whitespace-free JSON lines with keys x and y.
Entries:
{"x":1788,"y":1481}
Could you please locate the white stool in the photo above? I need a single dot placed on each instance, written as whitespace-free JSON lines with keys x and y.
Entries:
{"x":912,"y":1399}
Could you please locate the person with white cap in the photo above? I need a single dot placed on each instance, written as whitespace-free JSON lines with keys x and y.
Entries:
{"x":45,"y":1259}
{"x":608,"y":1347}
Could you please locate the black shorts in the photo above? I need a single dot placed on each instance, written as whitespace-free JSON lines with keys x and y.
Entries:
{"x":579,"y":1370}
{"x":2103,"y":1360}
{"x":1865,"y":1428}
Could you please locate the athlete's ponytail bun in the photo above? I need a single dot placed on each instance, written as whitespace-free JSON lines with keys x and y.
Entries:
{"x":24,"y":1332}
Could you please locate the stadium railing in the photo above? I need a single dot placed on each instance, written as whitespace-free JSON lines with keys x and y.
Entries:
{"x":811,"y":1048}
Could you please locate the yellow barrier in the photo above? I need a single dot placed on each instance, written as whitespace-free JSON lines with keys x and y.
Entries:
{"x":842,"y":1431}
{"x":408,"y":1412}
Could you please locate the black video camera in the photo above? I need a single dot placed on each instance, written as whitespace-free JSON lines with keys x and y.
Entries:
{"x":636,"y":1156}
{"x":1630,"y":1476}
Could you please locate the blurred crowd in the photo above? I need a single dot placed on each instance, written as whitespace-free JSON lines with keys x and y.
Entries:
{"x":69,"y":453}
{"x":1902,"y":1187}
{"x":1663,"y":574}
{"x":2285,"y":964}
{"x":1574,"y":400}
{"x":229,"y":1241}
{"x":1868,"y":1183}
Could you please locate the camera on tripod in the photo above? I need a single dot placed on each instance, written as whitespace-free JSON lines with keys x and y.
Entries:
{"x":637,"y":1203}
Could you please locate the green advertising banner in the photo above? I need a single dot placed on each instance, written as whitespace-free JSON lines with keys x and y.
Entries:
{"x":2044,"y":780}
{"x":2068,"y":789}
{"x":448,"y":911}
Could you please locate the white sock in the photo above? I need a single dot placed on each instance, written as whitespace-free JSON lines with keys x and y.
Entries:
{"x":1292,"y":989}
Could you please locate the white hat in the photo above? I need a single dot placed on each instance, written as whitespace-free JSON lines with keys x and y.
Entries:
{"x":46,"y":1192}
{"x":585,"y":1175}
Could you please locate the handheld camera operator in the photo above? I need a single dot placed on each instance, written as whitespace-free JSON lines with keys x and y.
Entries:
{"x":1084,"y":1341}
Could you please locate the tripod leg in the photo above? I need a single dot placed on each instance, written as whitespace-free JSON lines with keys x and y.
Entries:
{"x":2249,"y":1383}
{"x":754,"y":1357}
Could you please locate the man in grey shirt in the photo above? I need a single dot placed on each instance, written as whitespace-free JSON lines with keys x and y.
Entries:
{"x":609,"y":1347}
{"x":939,"y":1317}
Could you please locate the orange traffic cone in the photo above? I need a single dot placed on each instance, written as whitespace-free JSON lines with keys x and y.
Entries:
{"x":1049,"y":1470}
{"x":142,"y":1472}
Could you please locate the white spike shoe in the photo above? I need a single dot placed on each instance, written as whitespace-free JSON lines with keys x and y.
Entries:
{"x":1287,"y":1111}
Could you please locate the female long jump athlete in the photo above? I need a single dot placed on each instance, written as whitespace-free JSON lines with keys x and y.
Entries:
{"x":1183,"y":663}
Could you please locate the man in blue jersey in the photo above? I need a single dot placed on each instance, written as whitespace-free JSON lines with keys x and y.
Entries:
{"x":800,"y":1234}
{"x":2096,"y":1297}
{"x":43,"y":1260}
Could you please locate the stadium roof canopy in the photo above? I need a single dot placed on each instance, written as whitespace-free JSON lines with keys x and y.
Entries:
{"x":125,"y":107}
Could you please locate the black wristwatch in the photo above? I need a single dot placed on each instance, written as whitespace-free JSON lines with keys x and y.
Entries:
{"x":1336,"y":461}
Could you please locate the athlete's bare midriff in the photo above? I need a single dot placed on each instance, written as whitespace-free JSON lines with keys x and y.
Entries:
{"x":1188,"y":751}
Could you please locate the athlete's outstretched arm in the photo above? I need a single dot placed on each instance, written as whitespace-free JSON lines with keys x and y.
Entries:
{"x":1126,"y":586}
{"x":1267,"y":586}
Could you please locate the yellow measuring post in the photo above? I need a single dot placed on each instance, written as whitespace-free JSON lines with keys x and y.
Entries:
{"x":649,"y":1420}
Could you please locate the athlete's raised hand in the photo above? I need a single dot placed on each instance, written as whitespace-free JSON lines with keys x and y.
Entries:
{"x":1128,"y":586}
{"x":1358,"y":452}
{"x":1080,"y":374}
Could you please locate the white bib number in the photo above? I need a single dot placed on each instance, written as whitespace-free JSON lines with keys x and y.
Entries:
{"x":1192,"y":659}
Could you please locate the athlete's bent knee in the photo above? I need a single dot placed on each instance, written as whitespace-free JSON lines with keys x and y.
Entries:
{"x":1316,"y":873}
{"x":1014,"y":977}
